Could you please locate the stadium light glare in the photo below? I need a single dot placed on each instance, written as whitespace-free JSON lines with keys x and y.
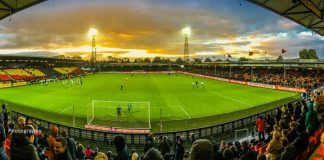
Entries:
{"x":92,"y":32}
{"x":186,"y":31}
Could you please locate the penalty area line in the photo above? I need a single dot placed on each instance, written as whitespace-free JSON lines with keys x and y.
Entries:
{"x":65,"y":110}
{"x":184,"y":111}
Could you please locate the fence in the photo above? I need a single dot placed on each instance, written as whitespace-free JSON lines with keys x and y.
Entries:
{"x":212,"y":132}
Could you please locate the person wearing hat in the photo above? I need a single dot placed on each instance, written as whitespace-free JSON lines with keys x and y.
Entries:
{"x":22,"y":147}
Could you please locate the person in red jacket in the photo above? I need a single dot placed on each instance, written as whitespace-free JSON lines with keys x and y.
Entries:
{"x":260,"y":125}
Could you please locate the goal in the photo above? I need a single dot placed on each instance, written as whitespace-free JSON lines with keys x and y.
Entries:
{"x":119,"y":114}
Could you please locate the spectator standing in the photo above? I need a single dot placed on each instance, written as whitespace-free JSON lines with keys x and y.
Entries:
{"x":70,"y":144}
{"x":153,"y":154}
{"x":22,"y":147}
{"x":5,"y":117}
{"x":289,"y":151}
{"x":260,"y":125}
{"x":134,"y":155}
{"x":79,"y":152}
{"x":247,"y":153}
{"x":165,"y":146}
{"x":2,"y":138}
{"x":278,"y":115}
{"x":274,"y":147}
{"x":51,"y":140}
{"x":120,"y":146}
{"x":88,"y":153}
{"x":301,"y":141}
{"x":180,"y":150}
{"x":292,"y":132}
{"x":101,"y":156}
{"x":311,"y":120}
{"x":61,"y":151}
{"x":201,"y":149}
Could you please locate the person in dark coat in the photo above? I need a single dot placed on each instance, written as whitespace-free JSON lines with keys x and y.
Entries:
{"x":247,"y":153}
{"x":61,"y":152}
{"x":301,"y":142}
{"x":292,"y":132}
{"x":22,"y":147}
{"x":289,"y":152}
{"x":201,"y":149}
{"x":180,"y":150}
{"x":5,"y":116}
{"x":164,"y":146}
{"x":278,"y":115}
{"x":153,"y":154}
{"x":3,"y":136}
{"x":120,"y":145}
{"x":70,"y":144}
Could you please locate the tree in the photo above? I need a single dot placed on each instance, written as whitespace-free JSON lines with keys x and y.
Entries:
{"x":147,"y":60}
{"x":280,"y":58}
{"x":303,"y":54}
{"x":208,"y":60}
{"x":138,"y":60}
{"x":308,"y":54}
{"x":166,"y":60}
{"x":241,"y":59}
{"x":125,"y":60}
{"x":197,"y":60}
{"x":312,"y":54}
{"x":76,"y":57}
{"x":219,"y":60}
{"x":157,"y":60}
{"x":179,"y":61}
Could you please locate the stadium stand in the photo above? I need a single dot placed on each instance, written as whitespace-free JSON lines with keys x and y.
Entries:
{"x":294,"y":78}
{"x":50,"y":72}
{"x":35,"y":72}
{"x":61,"y":70}
{"x":18,"y":74}
{"x":4,"y":76}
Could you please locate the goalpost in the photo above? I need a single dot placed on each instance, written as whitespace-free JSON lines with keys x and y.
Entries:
{"x":119,"y":114}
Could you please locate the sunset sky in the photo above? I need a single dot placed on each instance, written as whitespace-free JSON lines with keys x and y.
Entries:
{"x":149,"y":28}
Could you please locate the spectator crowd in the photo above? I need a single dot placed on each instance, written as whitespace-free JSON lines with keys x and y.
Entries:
{"x":309,"y":79}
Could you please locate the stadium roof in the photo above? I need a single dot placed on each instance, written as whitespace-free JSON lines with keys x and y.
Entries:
{"x":10,"y":7}
{"x":308,"y":13}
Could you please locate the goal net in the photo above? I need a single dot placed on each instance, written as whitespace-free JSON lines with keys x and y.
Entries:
{"x":119,"y":114}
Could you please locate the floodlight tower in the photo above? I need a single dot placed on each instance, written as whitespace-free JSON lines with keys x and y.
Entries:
{"x":186,"y":32}
{"x":92,"y":34}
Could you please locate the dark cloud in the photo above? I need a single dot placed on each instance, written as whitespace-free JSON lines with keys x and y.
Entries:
{"x":154,"y":26}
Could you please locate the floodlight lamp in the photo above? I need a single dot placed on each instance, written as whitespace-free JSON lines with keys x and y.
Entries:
{"x":186,"y":31}
{"x":92,"y":32}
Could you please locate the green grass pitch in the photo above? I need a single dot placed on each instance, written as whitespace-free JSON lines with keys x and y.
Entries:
{"x":182,"y":105}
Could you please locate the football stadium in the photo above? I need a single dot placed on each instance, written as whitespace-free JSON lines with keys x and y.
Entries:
{"x":161,"y":80}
